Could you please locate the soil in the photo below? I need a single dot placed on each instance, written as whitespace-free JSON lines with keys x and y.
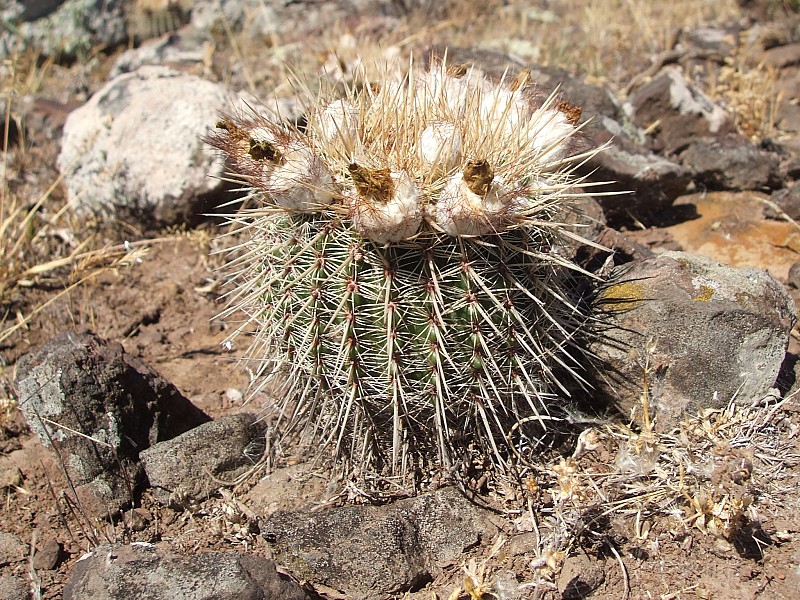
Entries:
{"x":162,"y":309}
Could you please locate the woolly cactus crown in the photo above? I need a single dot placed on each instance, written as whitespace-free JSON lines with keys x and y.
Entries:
{"x":400,"y":273}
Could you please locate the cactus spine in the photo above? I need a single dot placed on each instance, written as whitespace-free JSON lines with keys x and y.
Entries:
{"x":398,"y":271}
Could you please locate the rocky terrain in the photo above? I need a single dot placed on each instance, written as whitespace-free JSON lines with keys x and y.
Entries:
{"x":135,"y":461}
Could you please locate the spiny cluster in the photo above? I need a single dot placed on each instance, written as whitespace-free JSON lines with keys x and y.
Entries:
{"x":399,"y":269}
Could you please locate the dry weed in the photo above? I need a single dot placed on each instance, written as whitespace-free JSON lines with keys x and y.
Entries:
{"x":749,"y":92}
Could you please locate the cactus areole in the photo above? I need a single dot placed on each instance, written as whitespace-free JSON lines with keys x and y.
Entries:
{"x":399,"y":272}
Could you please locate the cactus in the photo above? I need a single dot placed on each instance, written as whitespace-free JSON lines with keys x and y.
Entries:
{"x":400,"y":270}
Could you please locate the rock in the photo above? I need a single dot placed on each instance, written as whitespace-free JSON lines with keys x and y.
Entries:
{"x":787,"y":117}
{"x":784,"y":56}
{"x":730,"y":228}
{"x":47,"y":555}
{"x":579,"y":577}
{"x":176,"y":50}
{"x":706,"y":332}
{"x":794,"y":276}
{"x":645,"y":184}
{"x":12,"y":549}
{"x":140,"y":570}
{"x":68,"y":29}
{"x":681,"y":111}
{"x":788,"y":201}
{"x":30,"y":10}
{"x":293,"y":487}
{"x":189,"y":467}
{"x":13,"y":588}
{"x":731,"y":162}
{"x":134,"y":150}
{"x":717,"y":40}
{"x":10,"y":475}
{"x":97,"y":407}
{"x":375,"y":551}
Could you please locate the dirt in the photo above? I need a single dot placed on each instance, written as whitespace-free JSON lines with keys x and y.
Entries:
{"x":162,"y":309}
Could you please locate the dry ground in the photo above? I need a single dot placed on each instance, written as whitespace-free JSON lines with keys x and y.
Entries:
{"x":156,"y":294}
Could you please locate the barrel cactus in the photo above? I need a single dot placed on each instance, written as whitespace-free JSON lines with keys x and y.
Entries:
{"x":400,"y":272}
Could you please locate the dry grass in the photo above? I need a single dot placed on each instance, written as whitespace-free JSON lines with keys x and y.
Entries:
{"x":601,"y":40}
{"x":749,"y":93}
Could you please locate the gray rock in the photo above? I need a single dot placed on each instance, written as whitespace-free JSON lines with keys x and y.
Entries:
{"x":189,"y":467}
{"x":12,"y":549}
{"x":48,"y":554}
{"x":97,"y":407}
{"x":174,"y":50}
{"x":645,"y":183}
{"x":293,"y":487}
{"x":139,"y":570}
{"x":375,"y":551}
{"x":794,"y":276}
{"x":30,"y":10}
{"x":69,"y":29}
{"x":784,"y":56}
{"x":13,"y":588}
{"x":707,"y":333}
{"x":682,"y":111}
{"x":787,"y":200}
{"x":731,"y":162}
{"x":134,"y":150}
{"x":717,"y":40}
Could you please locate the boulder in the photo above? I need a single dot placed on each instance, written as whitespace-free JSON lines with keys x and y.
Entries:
{"x":372,"y":552}
{"x":141,"y":570}
{"x":730,"y":162}
{"x":97,"y":408}
{"x":677,"y":110}
{"x":188,"y":468}
{"x":134,"y":150}
{"x":699,"y":333}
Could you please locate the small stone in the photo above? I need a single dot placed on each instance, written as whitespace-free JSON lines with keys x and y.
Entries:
{"x":137,"y":519}
{"x":731,"y":162}
{"x":10,"y":476}
{"x":783,"y":56}
{"x":48,"y":554}
{"x":681,"y":110}
{"x":794,"y":276}
{"x":109,"y":406}
{"x":788,"y":201}
{"x":191,"y":466}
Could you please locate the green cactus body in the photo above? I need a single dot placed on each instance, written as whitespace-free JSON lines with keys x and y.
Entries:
{"x":396,"y":341}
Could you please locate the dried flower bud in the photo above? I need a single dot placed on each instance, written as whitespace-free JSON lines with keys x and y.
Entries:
{"x":386,"y":205}
{"x":338,"y":123}
{"x":440,"y":146}
{"x":549,"y":132}
{"x":506,"y":110}
{"x":291,"y":174}
{"x":473,"y":202}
